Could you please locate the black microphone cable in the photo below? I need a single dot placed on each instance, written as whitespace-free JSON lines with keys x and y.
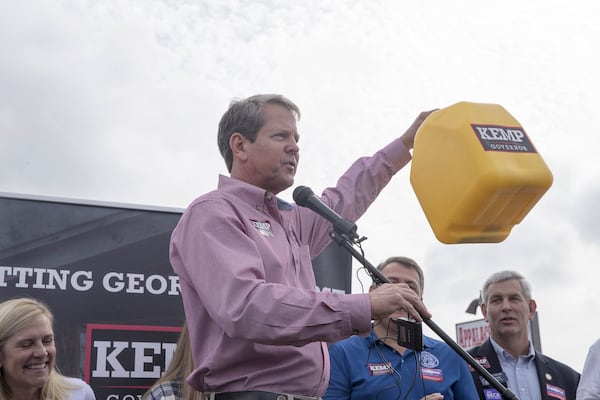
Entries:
{"x":414,"y":380}
{"x":396,"y":376}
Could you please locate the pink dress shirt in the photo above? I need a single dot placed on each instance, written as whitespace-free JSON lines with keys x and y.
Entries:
{"x":243,"y":256}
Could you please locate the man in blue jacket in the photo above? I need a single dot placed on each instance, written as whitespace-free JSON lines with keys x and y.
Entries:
{"x":377,"y":367}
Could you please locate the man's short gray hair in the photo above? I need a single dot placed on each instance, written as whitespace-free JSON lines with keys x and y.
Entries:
{"x":503,"y":276}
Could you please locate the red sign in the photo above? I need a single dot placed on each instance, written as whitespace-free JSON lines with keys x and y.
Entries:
{"x":472,"y":333}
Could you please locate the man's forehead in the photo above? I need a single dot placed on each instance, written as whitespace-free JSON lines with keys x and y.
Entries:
{"x":279,"y":118}
{"x":400,"y":270}
{"x":510,"y":285}
{"x":403,"y":276}
{"x":275,"y":110}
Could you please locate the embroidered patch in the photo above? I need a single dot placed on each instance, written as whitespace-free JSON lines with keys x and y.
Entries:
{"x":264,"y":227}
{"x":556,"y":392}
{"x":380,"y":369}
{"x":428,"y":360}
{"x":432,"y":374}
{"x":491,"y":394}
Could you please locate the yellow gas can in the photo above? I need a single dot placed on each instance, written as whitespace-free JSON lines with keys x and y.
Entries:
{"x":476,"y":173}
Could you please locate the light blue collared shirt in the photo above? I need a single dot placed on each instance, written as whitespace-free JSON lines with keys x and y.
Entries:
{"x":521,"y":374}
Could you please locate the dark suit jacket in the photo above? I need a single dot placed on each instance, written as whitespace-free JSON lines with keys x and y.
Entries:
{"x":557,"y":380}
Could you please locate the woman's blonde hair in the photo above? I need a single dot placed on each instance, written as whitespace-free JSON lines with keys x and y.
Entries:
{"x":180,"y":368}
{"x":16,"y":315}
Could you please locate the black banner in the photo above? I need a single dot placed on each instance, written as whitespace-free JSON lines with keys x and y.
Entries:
{"x":104,"y":271}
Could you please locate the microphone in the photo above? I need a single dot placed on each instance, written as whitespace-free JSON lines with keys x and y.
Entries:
{"x":305,"y":197}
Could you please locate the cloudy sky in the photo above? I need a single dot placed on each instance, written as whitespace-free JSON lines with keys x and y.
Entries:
{"x":119,"y":101}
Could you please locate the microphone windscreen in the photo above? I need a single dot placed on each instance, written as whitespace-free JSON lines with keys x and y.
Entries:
{"x":302,"y":194}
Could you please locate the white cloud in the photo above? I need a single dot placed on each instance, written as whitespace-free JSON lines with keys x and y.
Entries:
{"x":119,"y":101}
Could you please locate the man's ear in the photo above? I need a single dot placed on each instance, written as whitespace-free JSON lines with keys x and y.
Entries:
{"x":237,"y":143}
{"x":532,"y":308}
{"x":483,"y":311}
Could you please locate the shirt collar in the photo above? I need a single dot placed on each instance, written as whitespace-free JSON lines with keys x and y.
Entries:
{"x":251,"y":194}
{"x":501,"y":353}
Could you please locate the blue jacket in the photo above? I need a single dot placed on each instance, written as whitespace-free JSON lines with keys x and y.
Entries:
{"x":366,"y":368}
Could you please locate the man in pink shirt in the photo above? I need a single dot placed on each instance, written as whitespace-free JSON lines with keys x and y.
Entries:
{"x":258,"y":328}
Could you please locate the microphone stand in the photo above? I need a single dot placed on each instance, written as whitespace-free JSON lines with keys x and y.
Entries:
{"x":379,"y":279}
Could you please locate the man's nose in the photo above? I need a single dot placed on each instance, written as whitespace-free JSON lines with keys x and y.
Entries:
{"x":293,"y":146}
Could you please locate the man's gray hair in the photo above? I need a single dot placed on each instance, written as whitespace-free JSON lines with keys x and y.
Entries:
{"x":503,"y":276}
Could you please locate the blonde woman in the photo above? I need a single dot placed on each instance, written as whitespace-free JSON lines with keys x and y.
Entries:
{"x":172,"y":385}
{"x":28,"y":356}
